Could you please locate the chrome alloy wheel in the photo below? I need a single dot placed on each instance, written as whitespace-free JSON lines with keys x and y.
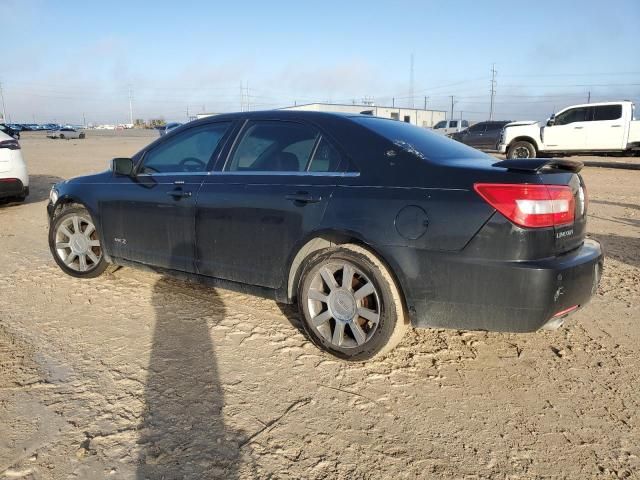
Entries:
{"x":344,"y":305}
{"x":77,"y":244}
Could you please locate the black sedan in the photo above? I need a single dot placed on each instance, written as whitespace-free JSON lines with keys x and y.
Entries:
{"x":10,"y":131}
{"x":482,"y":135}
{"x":369,"y":224}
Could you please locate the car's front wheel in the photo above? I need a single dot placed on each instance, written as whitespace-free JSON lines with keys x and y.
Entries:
{"x":75,"y":244}
{"x":350,"y":303}
{"x":521,"y":150}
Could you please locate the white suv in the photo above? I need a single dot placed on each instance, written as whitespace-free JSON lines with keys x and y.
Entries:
{"x":14,"y":180}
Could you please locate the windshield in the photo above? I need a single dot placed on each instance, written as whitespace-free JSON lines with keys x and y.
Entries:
{"x":419,"y":141}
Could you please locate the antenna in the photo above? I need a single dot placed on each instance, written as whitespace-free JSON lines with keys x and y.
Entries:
{"x":493,"y":89}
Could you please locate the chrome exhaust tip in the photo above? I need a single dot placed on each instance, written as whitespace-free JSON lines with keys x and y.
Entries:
{"x":553,"y":324}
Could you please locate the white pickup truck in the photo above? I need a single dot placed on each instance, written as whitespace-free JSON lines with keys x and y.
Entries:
{"x":608,"y":127}
{"x":446,"y":127}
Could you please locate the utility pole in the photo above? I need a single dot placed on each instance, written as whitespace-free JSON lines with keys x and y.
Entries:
{"x":452,"y":103}
{"x":241,"y":97}
{"x":425,"y":102}
{"x":130,"y":107}
{"x":247,"y":93}
{"x":411,"y":84}
{"x":493,"y":89}
{"x":84,"y":120}
{"x":393,"y":101}
{"x":589,"y":97}
{"x":4,"y":109}
{"x":187,"y":113}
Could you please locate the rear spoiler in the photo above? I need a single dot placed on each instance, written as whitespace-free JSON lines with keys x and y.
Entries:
{"x":536,"y":165}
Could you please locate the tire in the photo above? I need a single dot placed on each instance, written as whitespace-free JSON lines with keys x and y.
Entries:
{"x":79,"y":243}
{"x":521,"y":150}
{"x":62,"y":136}
{"x":81,"y":136}
{"x":332,"y":314}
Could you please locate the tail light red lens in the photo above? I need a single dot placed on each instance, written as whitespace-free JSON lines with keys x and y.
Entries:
{"x":532,"y":206}
{"x":10,"y":144}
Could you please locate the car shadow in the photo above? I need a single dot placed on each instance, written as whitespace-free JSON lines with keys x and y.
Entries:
{"x":39,"y":187}
{"x":292,"y":314}
{"x":622,"y":248}
{"x":183,"y":433}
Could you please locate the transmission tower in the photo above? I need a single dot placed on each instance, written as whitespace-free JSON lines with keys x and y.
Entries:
{"x":493,"y":89}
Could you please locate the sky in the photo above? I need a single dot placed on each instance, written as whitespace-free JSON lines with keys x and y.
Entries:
{"x":77,"y":61}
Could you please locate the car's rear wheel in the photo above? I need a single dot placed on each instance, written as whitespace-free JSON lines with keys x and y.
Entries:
{"x":520,"y":150}
{"x":81,"y":136}
{"x":75,"y":244}
{"x":350,"y":303}
{"x":62,"y":136}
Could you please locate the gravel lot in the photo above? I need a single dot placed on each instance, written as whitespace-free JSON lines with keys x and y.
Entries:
{"x":134,"y":375}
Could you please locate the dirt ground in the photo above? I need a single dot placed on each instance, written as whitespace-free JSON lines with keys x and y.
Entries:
{"x":133,"y":375}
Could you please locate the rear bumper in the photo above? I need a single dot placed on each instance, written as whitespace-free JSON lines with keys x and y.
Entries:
{"x":473,"y":294}
{"x":12,"y":187}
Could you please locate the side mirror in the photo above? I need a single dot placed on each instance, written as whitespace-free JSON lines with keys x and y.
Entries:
{"x":122,"y":166}
{"x":551,"y":121}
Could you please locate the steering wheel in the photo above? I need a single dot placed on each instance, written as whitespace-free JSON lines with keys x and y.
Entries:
{"x":192,"y":164}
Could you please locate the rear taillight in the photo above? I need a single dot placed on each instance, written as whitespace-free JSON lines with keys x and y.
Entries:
{"x":532,"y":206}
{"x":10,"y":144}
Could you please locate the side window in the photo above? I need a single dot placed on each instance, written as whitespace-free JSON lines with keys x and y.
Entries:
{"x":607,"y":112}
{"x":190,"y":151}
{"x":477,"y":128}
{"x":453,"y":124}
{"x":441,"y":124}
{"x":494,"y":127}
{"x":326,"y":158}
{"x":273,"y":146}
{"x":465,"y":123}
{"x":572,"y":115}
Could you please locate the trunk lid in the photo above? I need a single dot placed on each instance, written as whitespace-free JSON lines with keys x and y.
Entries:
{"x":559,"y":172}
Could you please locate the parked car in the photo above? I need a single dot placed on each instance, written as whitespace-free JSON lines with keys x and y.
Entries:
{"x":14,"y":180}
{"x":66,"y":133}
{"x":590,"y":128}
{"x":369,"y":224}
{"x":446,"y":127}
{"x":482,"y":135}
{"x":168,"y":127}
{"x":8,"y":130}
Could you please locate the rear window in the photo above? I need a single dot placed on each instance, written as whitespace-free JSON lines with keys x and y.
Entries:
{"x":421,"y":142}
{"x":607,"y":112}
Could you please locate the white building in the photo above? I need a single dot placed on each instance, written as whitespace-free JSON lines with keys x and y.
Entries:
{"x":415,"y":116}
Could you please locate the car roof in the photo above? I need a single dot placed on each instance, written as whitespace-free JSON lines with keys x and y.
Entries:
{"x":315,"y":116}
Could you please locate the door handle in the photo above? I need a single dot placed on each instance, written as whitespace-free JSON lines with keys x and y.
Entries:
{"x":615,"y":126}
{"x":177,"y":193}
{"x":302,"y":197}
{"x":578,"y":128}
